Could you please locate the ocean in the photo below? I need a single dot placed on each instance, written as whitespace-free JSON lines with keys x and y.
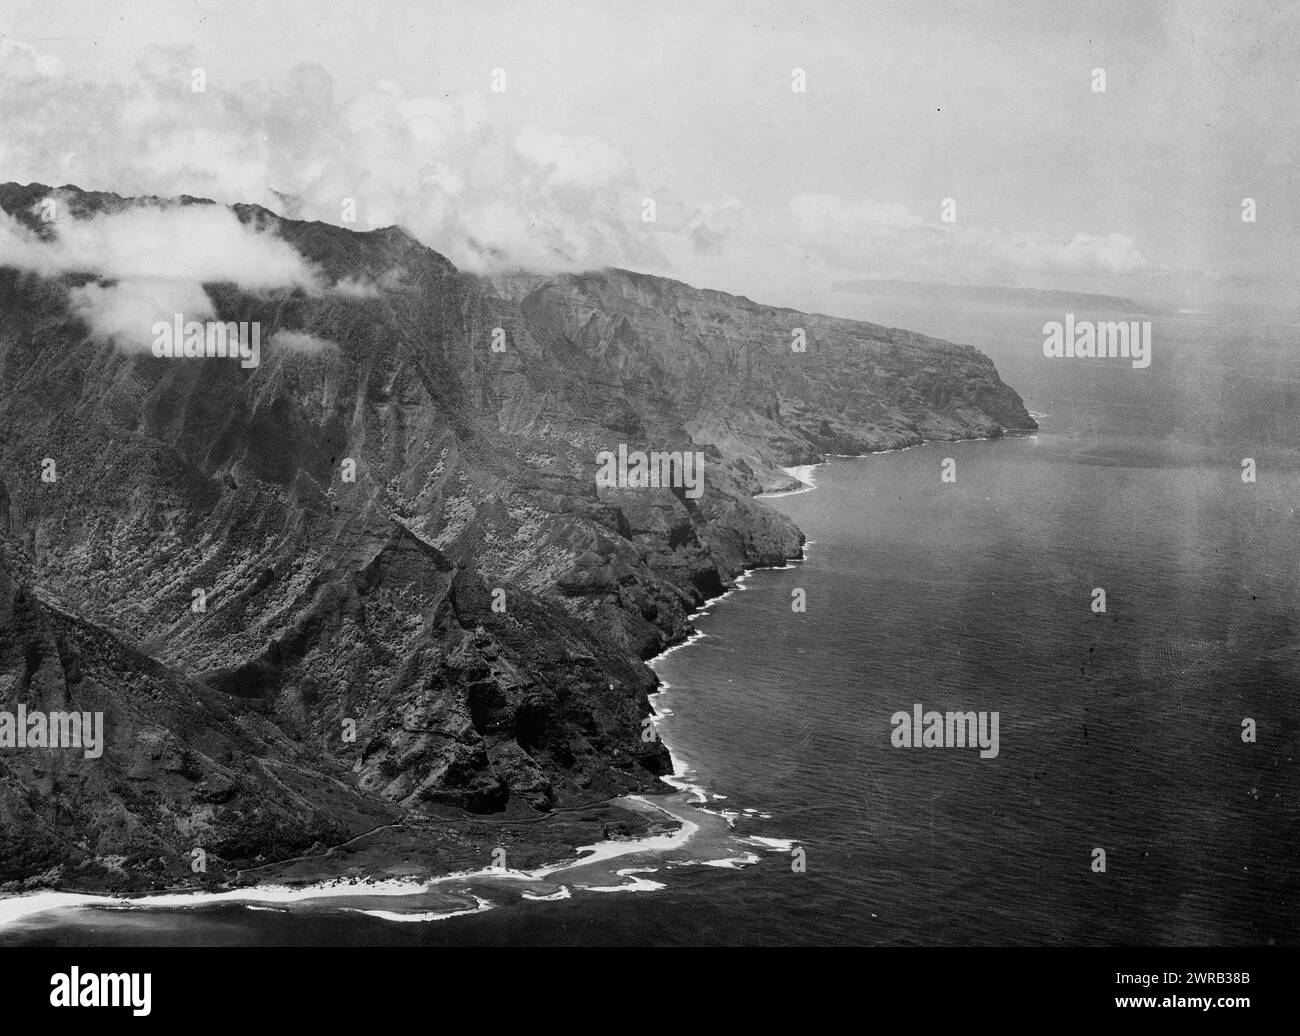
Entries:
{"x":1119,"y":730}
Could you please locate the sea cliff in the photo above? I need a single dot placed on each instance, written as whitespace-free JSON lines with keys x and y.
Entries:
{"x":451,"y":645}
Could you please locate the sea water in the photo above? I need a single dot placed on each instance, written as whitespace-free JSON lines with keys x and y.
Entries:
{"x":1120,"y":730}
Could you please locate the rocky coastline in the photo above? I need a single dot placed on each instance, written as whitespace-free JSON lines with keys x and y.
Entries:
{"x":471,"y":608}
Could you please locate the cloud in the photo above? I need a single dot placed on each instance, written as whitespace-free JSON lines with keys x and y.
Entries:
{"x":301,"y":342}
{"x":487,"y":197}
{"x":356,"y":288}
{"x":862,"y":237}
{"x":889,"y":239}
{"x":830,"y":217}
{"x":154,"y":261}
{"x":24,"y":64}
{"x":1092,"y":253}
{"x":200,"y":243}
{"x":582,"y":161}
{"x":435,"y":165}
{"x":124,"y":313}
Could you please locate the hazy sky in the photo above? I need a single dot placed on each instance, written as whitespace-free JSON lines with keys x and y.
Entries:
{"x":757,"y":188}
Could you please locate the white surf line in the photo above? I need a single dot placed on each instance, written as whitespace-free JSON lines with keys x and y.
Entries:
{"x":776,"y":845}
{"x":679,"y":778}
{"x":597,"y":853}
{"x":731,"y":863}
{"x":389,"y":915}
{"x":16,"y":908}
{"x":637,"y":884}
{"x":691,"y":639}
{"x":681,"y":771}
{"x":801,"y":473}
{"x":536,"y":897}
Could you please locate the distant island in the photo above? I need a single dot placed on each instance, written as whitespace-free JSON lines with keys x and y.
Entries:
{"x":941,"y":291}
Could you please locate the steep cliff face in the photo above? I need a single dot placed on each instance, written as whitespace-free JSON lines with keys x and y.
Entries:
{"x":766,"y":384}
{"x":181,"y":767}
{"x":473,"y":606}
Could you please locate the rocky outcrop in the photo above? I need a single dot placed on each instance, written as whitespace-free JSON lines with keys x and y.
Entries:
{"x":459,"y":628}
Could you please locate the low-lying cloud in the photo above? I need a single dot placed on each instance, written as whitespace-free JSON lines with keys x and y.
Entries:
{"x":301,"y":342}
{"x":202,"y":243}
{"x":125,"y":312}
{"x":862,"y":237}
{"x":151,"y":262}
{"x":487,"y":197}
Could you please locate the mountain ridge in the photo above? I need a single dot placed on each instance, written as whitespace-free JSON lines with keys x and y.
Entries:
{"x":473,"y":603}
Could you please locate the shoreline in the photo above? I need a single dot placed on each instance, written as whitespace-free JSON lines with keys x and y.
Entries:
{"x":679,"y":777}
{"x":350,"y":894}
{"x":281,"y":897}
{"x":799,"y":471}
{"x":805,"y":474}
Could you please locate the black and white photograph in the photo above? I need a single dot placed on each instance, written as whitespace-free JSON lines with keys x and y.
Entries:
{"x":480,"y":474}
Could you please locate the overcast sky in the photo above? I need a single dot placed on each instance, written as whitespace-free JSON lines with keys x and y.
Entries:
{"x":757,"y":188}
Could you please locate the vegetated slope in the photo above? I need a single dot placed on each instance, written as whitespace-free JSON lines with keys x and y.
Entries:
{"x":471,"y":606}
